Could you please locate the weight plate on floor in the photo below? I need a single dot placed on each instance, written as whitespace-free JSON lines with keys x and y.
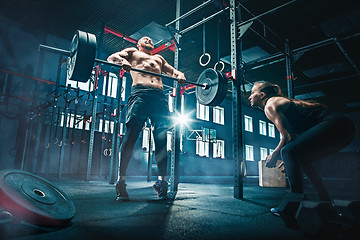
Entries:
{"x":34,"y":199}
{"x":82,"y":56}
{"x":217,"y":86}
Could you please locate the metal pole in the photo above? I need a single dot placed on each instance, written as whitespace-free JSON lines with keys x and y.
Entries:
{"x":203,"y":21}
{"x":236,"y":104}
{"x":189,"y":12}
{"x":115,"y":160}
{"x":290,"y":83}
{"x":63,"y":135}
{"x":347,"y":55}
{"x":149,"y":157}
{"x":175,"y":153}
{"x":92,"y":127}
{"x":265,"y":13}
{"x":37,"y":145}
{"x":266,"y":27}
{"x":297,"y":51}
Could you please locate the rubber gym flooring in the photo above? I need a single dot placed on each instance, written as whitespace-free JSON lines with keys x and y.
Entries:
{"x":204,"y":208}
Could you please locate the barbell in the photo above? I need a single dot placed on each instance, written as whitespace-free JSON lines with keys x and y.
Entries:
{"x":211,"y":86}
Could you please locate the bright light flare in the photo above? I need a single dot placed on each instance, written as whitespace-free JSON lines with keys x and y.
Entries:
{"x":182,"y":119}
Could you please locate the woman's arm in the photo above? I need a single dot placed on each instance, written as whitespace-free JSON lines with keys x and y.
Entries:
{"x":274,"y":111}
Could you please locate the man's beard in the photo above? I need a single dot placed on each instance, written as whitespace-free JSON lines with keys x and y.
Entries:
{"x":150,"y":48}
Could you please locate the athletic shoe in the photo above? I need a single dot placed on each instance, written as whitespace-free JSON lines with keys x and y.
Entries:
{"x":275,"y":211}
{"x":121,"y":190}
{"x":161,"y":188}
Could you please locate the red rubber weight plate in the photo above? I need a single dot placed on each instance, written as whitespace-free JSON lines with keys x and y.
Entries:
{"x":33,"y":199}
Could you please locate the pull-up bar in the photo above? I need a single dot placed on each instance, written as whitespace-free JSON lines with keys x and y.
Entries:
{"x":203,"y":21}
{"x":189,"y":12}
{"x":265,"y":13}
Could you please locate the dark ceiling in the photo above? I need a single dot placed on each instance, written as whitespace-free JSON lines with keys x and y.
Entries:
{"x":329,"y":68}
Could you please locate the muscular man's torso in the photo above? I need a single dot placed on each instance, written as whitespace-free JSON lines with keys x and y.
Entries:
{"x":151,"y":63}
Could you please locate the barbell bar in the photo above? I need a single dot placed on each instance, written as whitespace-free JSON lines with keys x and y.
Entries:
{"x":70,"y":54}
{"x":211,"y":86}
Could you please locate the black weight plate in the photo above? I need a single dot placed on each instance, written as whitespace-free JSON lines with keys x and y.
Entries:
{"x":34,"y":199}
{"x":217,"y":87}
{"x":223,"y":88}
{"x":81,"y":61}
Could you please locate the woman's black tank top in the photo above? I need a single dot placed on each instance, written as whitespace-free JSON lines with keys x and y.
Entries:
{"x":303,"y":118}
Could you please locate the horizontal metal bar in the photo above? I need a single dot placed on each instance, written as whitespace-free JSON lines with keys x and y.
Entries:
{"x":347,"y":55}
{"x":328,"y":81}
{"x":67,"y":53}
{"x":266,"y":27}
{"x":54,"y":50}
{"x":189,"y":12}
{"x":270,"y":43}
{"x":203,"y":21}
{"x":146,"y":72}
{"x":265,"y":13}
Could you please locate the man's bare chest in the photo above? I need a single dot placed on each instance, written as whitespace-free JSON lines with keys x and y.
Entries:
{"x":139,"y":58}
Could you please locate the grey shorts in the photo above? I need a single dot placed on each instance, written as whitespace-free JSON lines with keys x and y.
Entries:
{"x":147,"y":102}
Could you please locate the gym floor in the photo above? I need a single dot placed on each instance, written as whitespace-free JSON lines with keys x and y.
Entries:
{"x":204,"y":208}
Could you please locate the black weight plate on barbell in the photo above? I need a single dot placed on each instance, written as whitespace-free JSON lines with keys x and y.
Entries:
{"x":34,"y":199}
{"x":81,"y":61}
{"x":217,"y":87}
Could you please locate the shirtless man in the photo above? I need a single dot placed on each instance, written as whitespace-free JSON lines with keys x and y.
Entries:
{"x":146,"y":100}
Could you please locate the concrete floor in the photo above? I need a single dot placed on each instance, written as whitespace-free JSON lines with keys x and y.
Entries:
{"x":204,"y":208}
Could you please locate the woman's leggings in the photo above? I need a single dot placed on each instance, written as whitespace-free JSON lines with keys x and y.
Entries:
{"x":332,"y":134}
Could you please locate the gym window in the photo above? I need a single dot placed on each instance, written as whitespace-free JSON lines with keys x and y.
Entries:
{"x":79,"y":122}
{"x":171,"y":100}
{"x":208,"y":134}
{"x":262,"y":127}
{"x":248,"y":123}
{"x":109,"y":125}
{"x":202,"y":111}
{"x":85,"y":86}
{"x":145,"y":140}
{"x":249,"y":153}
{"x":202,"y":148}
{"x":169,"y":141}
{"x":109,"y":87}
{"x":218,"y":115}
{"x":263,"y":153}
{"x":112,"y":86}
{"x":219,"y":149}
{"x":271,"y":128}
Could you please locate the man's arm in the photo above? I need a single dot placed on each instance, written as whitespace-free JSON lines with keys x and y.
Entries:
{"x":122,"y":58}
{"x":171,"y":71}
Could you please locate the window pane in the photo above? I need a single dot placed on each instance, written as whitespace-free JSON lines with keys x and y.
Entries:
{"x":271,"y":130}
{"x":171,"y":99}
{"x":218,"y":115}
{"x":263,"y":153}
{"x":219,"y":149}
{"x":249,"y":153}
{"x":248,"y":123}
{"x":202,"y":148}
{"x":202,"y":111}
{"x":169,"y":140}
{"x":262,"y":127}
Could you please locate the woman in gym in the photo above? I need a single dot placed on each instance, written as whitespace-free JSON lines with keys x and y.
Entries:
{"x":308,"y":131}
